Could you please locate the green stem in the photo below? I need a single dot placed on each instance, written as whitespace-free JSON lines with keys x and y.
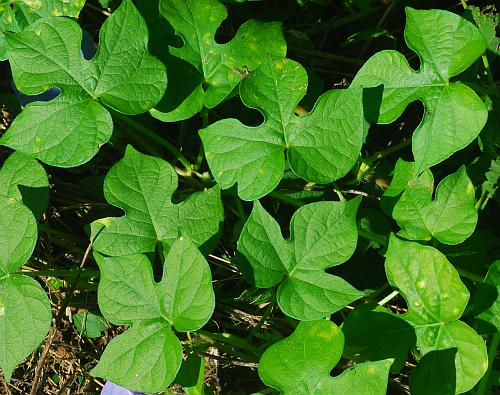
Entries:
{"x":325,"y":55}
{"x":286,"y":199}
{"x":388,"y":298}
{"x":464,"y":4}
{"x":388,"y":151}
{"x":87,"y":273}
{"x":382,"y":240}
{"x":481,"y":203}
{"x":469,"y":275}
{"x":484,"y":385}
{"x":157,"y":139}
{"x":230,"y":339}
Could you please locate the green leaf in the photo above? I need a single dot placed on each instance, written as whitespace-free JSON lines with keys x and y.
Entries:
{"x":301,"y":364}
{"x":143,"y":186}
{"x":220,"y":66}
{"x":25,"y":317}
{"x":403,"y":172}
{"x":190,"y":304}
{"x":18,"y":235}
{"x":454,"y":115}
{"x":126,"y":290}
{"x":22,"y":178}
{"x":191,"y":375}
{"x":435,"y":374}
{"x":372,"y":333}
{"x":436,"y":299}
{"x":147,"y":356}
{"x":450,"y":218}
{"x":18,"y":14}
{"x":487,"y":297}
{"x":323,"y":234}
{"x":322,"y":146}
{"x":68,"y":130}
{"x":89,"y":324}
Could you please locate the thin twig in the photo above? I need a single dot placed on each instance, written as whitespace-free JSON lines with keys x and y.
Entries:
{"x":41,"y":361}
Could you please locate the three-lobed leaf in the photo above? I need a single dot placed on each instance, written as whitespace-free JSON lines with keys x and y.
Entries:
{"x":301,"y":364}
{"x":450,"y":217}
{"x":322,"y":146}
{"x":220,"y":67}
{"x":322,"y":235}
{"x":454,"y":115}
{"x":143,"y":186}
{"x":436,"y":299}
{"x":69,"y":130}
{"x":148,"y":355}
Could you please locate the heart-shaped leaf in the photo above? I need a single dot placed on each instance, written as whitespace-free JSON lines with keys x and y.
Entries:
{"x":148,"y":355}
{"x":436,"y":299}
{"x":323,"y":234}
{"x":301,"y":364}
{"x":450,"y":218}
{"x":143,"y":186}
{"x":68,"y":130}
{"x":454,"y":115}
{"x":322,"y":146}
{"x":220,"y":66}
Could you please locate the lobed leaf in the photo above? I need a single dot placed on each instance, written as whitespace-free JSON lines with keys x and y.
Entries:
{"x":148,"y":355}
{"x":436,"y":299}
{"x":143,"y":186}
{"x":69,"y":130}
{"x":322,"y":146}
{"x":322,"y":235}
{"x":450,"y":218}
{"x":454,"y":115}
{"x":220,"y":67}
{"x":301,"y":364}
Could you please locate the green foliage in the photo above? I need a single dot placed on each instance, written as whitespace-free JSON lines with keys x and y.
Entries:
{"x":16,"y":15}
{"x":183,"y":299}
{"x":322,"y":146}
{"x":487,"y":298}
{"x":122,"y":75}
{"x":218,"y":65}
{"x":453,"y":114}
{"x":436,"y":299}
{"x":301,"y":364}
{"x":450,"y":217}
{"x":143,"y":186}
{"x":25,"y":313}
{"x":89,"y":324}
{"x":322,"y":235}
{"x":171,"y":226}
